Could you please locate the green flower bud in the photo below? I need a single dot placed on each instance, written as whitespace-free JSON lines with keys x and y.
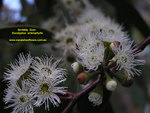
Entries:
{"x":110,"y":83}
{"x":108,"y":53}
{"x":124,"y":79}
{"x":83,"y":78}
{"x":77,"y":67}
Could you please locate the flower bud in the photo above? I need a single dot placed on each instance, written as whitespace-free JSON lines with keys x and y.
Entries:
{"x":83,"y":78}
{"x":129,"y":81}
{"x":124,"y":79}
{"x":77,"y":67}
{"x":114,"y":44}
{"x":110,"y":83}
{"x":108,"y":53}
{"x":106,"y":44}
{"x":112,"y":63}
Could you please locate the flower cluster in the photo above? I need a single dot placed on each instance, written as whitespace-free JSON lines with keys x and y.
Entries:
{"x":66,"y":38}
{"x":94,"y":41}
{"x":33,"y":82}
{"x":99,"y":43}
{"x":103,"y":45}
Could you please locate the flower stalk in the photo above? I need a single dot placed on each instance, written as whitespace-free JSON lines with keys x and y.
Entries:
{"x":78,"y":95}
{"x":142,"y":45}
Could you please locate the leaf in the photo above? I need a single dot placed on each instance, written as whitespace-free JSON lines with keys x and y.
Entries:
{"x":130,"y":15}
{"x":46,"y":7}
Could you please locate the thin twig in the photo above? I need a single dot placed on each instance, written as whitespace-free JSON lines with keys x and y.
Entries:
{"x":78,"y":95}
{"x":70,"y":105}
{"x":65,"y":98}
{"x":141,"y":46}
{"x":88,"y":89}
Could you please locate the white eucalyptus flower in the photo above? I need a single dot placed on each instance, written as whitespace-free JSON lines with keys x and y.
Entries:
{"x":21,"y":99}
{"x":45,"y":89}
{"x":90,"y":14}
{"x":126,"y":60}
{"x":89,"y":44}
{"x":87,"y":41}
{"x":91,"y":60}
{"x":66,"y":38}
{"x":19,"y":68}
{"x":89,"y":50}
{"x":95,"y":98}
{"x":47,"y":67}
{"x":52,"y":24}
{"x":106,"y":30}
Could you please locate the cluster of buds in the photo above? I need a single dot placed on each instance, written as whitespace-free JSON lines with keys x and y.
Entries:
{"x":118,"y":63}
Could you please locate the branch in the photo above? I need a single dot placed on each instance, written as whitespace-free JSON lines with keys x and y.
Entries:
{"x":66,"y":96}
{"x":141,"y":46}
{"x":88,"y":89}
{"x":78,"y":95}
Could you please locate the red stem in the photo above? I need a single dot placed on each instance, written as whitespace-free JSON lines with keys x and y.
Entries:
{"x":65,"y":98}
{"x":88,"y":88}
{"x":83,"y":92}
{"x":142,"y":45}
